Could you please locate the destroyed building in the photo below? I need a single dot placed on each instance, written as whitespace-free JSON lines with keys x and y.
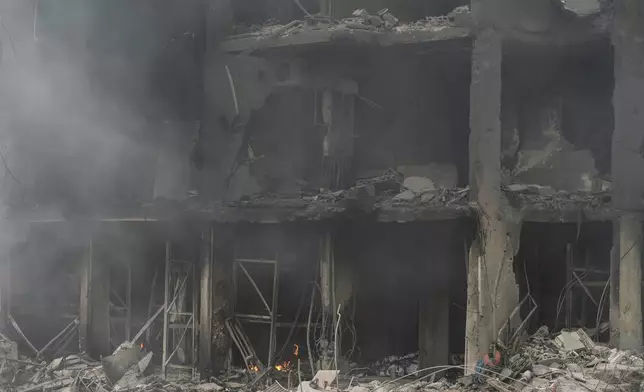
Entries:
{"x":372,"y":186}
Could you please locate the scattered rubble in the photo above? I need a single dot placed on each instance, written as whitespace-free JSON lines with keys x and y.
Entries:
{"x":565,"y":362}
{"x":547,"y":198}
{"x":361,"y":19}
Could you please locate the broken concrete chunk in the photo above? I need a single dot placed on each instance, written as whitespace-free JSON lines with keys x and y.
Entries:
{"x":211,"y":386}
{"x":419,"y":185}
{"x":56,"y":364}
{"x":405,"y":196}
{"x":574,"y":368}
{"x":117,"y":364}
{"x":324,"y":378}
{"x":581,"y":8}
{"x":144,"y":364}
{"x":443,"y":175}
{"x":465,"y":381}
{"x":540,"y":370}
{"x":569,"y":341}
{"x":505,"y":373}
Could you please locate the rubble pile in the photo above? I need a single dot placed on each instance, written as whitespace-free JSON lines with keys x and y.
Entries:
{"x":361,"y":19}
{"x":396,"y":366}
{"x":566,"y":362}
{"x":546,"y":197}
{"x":128,"y":369}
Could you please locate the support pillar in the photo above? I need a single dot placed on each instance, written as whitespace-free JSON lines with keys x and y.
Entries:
{"x":614,"y":287}
{"x":327,"y":300}
{"x":99,"y":305}
{"x":490,"y":271}
{"x":628,"y":163}
{"x":85,"y":292}
{"x":630,"y":282}
{"x":221,"y":306}
{"x":433,"y":327}
{"x":5,"y":291}
{"x":205,"y":305}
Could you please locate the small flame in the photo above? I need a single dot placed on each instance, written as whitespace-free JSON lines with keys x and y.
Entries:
{"x":283,"y":367}
{"x":296,"y":352}
{"x":254,"y":368}
{"x":141,"y":346}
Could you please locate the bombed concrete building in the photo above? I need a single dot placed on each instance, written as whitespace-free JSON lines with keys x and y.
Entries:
{"x":375,"y":187}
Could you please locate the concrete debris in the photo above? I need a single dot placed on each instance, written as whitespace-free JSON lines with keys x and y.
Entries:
{"x":546,"y":198}
{"x":361,"y":19}
{"x":570,"y":341}
{"x":419,"y":185}
{"x":581,"y":8}
{"x":117,"y":364}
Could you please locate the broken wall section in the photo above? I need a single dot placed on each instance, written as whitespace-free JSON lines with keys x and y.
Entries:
{"x":558,"y":121}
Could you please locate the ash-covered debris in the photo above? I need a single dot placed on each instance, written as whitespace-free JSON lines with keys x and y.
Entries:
{"x":390,"y":189}
{"x":361,"y":19}
{"x":547,"y":198}
{"x":128,"y":369}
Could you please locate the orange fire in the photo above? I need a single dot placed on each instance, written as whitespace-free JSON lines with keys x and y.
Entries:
{"x":254,"y":368}
{"x":283,"y":367}
{"x":296,"y":352}
{"x":141,"y":346}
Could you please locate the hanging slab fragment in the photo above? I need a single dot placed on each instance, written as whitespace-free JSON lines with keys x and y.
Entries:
{"x":581,"y":8}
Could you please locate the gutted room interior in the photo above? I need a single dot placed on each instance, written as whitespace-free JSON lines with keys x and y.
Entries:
{"x":326,"y":195}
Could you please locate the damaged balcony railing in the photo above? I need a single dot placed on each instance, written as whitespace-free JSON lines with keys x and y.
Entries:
{"x":179,"y":275}
{"x":270,"y":317}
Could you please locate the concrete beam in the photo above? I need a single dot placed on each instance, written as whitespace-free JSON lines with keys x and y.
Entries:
{"x":490,"y":271}
{"x":628,"y":163}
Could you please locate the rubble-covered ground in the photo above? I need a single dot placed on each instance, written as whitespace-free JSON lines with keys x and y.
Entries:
{"x":564,"y":362}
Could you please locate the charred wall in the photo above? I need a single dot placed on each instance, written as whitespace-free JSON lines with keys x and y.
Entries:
{"x":557,"y":114}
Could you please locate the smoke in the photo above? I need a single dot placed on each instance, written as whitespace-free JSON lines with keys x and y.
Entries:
{"x":88,"y":86}
{"x":85,"y":87}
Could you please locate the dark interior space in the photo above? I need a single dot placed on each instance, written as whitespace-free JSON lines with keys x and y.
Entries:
{"x":295,"y":248}
{"x":394,"y":266}
{"x":286,"y":142}
{"x":424,"y":109}
{"x":45,"y":286}
{"x":551,"y":259}
{"x":567,"y":89}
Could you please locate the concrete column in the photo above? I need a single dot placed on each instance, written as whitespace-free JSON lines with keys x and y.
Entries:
{"x":5,"y":292}
{"x":85,"y":292}
{"x":630,"y":282}
{"x":433,"y":327}
{"x":221,"y":306}
{"x":326,"y":285}
{"x":491,"y":264}
{"x":614,"y":287}
{"x":628,"y":163}
{"x":99,"y":326}
{"x":205,"y":304}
